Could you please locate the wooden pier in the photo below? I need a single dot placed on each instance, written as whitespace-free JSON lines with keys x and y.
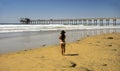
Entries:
{"x":83,"y":21}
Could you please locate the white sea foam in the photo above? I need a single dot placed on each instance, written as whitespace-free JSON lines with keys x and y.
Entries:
{"x":22,"y":28}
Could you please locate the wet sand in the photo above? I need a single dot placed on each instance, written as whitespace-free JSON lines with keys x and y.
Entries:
{"x":12,"y":42}
{"x":96,"y":53}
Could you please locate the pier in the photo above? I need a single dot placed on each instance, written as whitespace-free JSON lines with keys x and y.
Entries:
{"x":83,"y":21}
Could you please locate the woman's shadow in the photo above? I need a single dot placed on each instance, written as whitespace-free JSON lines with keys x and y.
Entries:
{"x":71,"y":54}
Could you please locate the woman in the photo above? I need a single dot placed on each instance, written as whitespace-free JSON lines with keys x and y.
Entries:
{"x":62,"y":41}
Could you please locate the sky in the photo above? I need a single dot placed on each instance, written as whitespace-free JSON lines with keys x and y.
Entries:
{"x":12,"y":10}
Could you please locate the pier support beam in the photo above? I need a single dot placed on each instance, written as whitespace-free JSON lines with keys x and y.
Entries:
{"x":95,"y":22}
{"x":107,"y":22}
{"x":80,"y":22}
{"x":101,"y":22}
{"x":84,"y":22}
{"x":75,"y":22}
{"x":114,"y":22}
{"x":89,"y":22}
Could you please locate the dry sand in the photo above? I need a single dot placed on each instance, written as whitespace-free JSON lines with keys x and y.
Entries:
{"x":96,"y":53}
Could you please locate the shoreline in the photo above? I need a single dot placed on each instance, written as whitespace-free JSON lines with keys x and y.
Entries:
{"x":95,"y":53}
{"x":30,"y":40}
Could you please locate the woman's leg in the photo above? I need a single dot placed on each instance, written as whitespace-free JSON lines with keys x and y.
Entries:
{"x":63,"y":48}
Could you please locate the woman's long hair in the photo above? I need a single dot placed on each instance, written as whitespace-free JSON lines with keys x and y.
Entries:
{"x":62,"y":35}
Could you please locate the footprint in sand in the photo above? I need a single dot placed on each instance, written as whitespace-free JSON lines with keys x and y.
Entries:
{"x":73,"y":65}
{"x":40,"y":57}
{"x":109,"y":45}
{"x":114,"y":49}
{"x":44,"y":45}
{"x":110,"y":38}
{"x":25,"y":50}
{"x":83,"y":69}
{"x":104,"y":65}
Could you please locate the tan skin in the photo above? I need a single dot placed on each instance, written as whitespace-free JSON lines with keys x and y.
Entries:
{"x":62,"y":42}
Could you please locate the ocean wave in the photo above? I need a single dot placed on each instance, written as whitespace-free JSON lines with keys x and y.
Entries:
{"x":22,"y":28}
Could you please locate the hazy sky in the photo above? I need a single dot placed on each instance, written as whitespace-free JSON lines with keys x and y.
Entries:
{"x":13,"y":10}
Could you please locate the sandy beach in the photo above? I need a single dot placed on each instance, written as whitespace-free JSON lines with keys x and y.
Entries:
{"x":95,"y":53}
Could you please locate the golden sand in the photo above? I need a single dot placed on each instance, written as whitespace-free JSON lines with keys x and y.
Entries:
{"x":96,"y":53}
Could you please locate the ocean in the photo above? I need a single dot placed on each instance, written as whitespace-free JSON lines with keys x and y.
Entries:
{"x":22,"y":37}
